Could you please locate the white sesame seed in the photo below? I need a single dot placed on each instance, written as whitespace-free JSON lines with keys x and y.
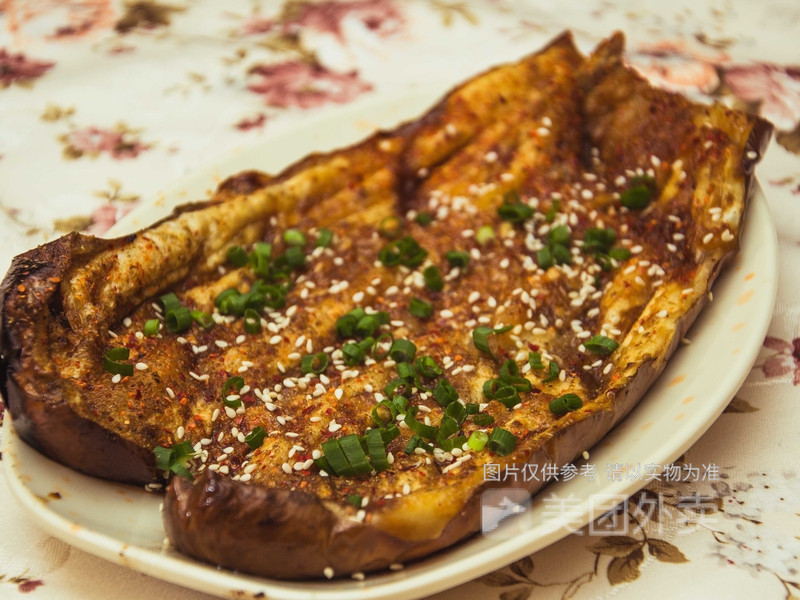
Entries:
{"x":116,"y":378}
{"x":180,"y":432}
{"x":221,"y":343}
{"x":708,"y":237}
{"x":406,"y":489}
{"x":333,"y":426}
{"x":446,"y":314}
{"x":127,"y":322}
{"x":662,"y":313}
{"x":140,"y":366}
{"x":328,"y":572}
{"x":726,"y":236}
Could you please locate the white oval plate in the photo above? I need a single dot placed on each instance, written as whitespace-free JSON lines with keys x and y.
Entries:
{"x":123,"y":524}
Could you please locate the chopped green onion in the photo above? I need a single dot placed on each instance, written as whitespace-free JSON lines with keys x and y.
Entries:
{"x":550,"y":215}
{"x":406,"y":371}
{"x":368,"y":324}
{"x":424,"y":218}
{"x":484,"y":235}
{"x":390,"y":432}
{"x":333,"y":453}
{"x":294,"y":237}
{"x":544,"y":258}
{"x":398,"y":386}
{"x":564,"y":404}
{"x":346,"y":324}
{"x":480,"y":338}
{"x":355,"y":500}
{"x":472,"y":408}
{"x":405,"y":251}
{"x":252,"y":321}
{"x":596,"y":239}
{"x":255,"y":438}
{"x":501,"y":441}
{"x":230,"y":384}
{"x":415,"y":442}
{"x":600,"y":344}
{"x":427,"y":367}
{"x":178,"y":319}
{"x":433,"y":278}
{"x":169,"y":302}
{"x":260,"y":258}
{"x":324,"y":238}
{"x":619,"y":253}
{"x":477,"y":441}
{"x":390,"y":227}
{"x":202,"y":318}
{"x":535,"y":360}
{"x":561,"y":254}
{"x":237,"y":256}
{"x":295,"y":257}
{"x":444,"y":393}
{"x":353,"y":354}
{"x":483,"y":419}
{"x":457,"y":258}
{"x":376,"y":450}
{"x":383,"y":343}
{"x":420,"y":308}
{"x":426,"y":431}
{"x":513,"y":209}
{"x":552,"y":372}
{"x":151,"y":327}
{"x":639,"y":194}
{"x":383,"y":413}
{"x":175,"y":459}
{"x":224,"y":297}
{"x":353,"y":451}
{"x":559,"y":235}
{"x":112,"y":364}
{"x":314,"y":363}
{"x":402,"y":350}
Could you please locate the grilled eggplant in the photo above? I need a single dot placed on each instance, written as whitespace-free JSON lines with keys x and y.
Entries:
{"x":324,"y":361}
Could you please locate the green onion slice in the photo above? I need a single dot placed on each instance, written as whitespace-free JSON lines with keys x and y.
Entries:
{"x":600,"y":344}
{"x":416,"y":441}
{"x":477,"y":441}
{"x":420,"y":308}
{"x":252,"y":321}
{"x":202,"y":318}
{"x":294,"y":237}
{"x":384,"y":413}
{"x":324,"y":238}
{"x":255,"y":438}
{"x":376,"y":450}
{"x":552,"y":372}
{"x":175,"y":459}
{"x":424,"y":218}
{"x":314,"y":363}
{"x":354,"y":452}
{"x":383,"y":343}
{"x":151,"y":327}
{"x":513,"y":209}
{"x":433,"y":278}
{"x":564,"y":404}
{"x":457,"y":258}
{"x":480,"y":338}
{"x":483,"y":419}
{"x":237,"y":256}
{"x":112,"y":364}
{"x":402,"y":350}
{"x":232,"y":383}
{"x":333,"y":453}
{"x":640,"y":192}
{"x":260,"y":258}
{"x":535,"y":360}
{"x":501,"y":441}
{"x":169,"y":302}
{"x":353,"y":353}
{"x":428,"y":432}
{"x":484,"y":235}
{"x":178,"y":319}
{"x":427,"y":367}
{"x":544,"y":258}
{"x":444,"y":393}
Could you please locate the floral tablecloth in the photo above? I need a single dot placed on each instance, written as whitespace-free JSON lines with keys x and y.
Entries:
{"x":104,"y":102}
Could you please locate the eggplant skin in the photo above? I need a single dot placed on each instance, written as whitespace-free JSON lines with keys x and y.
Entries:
{"x":65,"y":303}
{"x":32,"y":392}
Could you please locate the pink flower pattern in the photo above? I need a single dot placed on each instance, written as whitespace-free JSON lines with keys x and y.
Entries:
{"x":16,"y":68}
{"x":119,"y":143}
{"x":379,"y":16}
{"x":785,"y":361}
{"x":300,"y":84}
